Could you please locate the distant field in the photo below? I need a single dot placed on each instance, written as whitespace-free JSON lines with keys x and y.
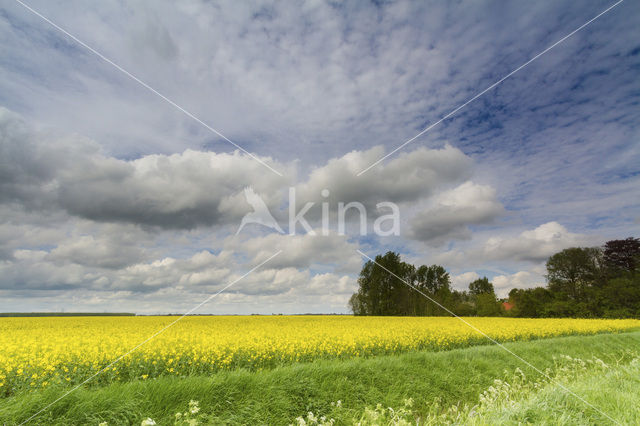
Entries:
{"x":66,"y":314}
{"x":41,"y":352}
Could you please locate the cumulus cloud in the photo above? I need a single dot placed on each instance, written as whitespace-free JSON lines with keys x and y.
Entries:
{"x":41,"y":270}
{"x":121,"y":213}
{"x":185,"y":281}
{"x":21,"y":229}
{"x":461,"y":281}
{"x":295,"y":283}
{"x":202,"y":270}
{"x":311,"y":89}
{"x":503,"y":283}
{"x":301,"y":250}
{"x":319,"y":72}
{"x":170,"y":191}
{"x":103,"y":251}
{"x":75,"y":265}
{"x":521,"y":279}
{"x":177,"y":191}
{"x":29,"y":270}
{"x":454,"y":210}
{"x":408,"y":177}
{"x":535,"y":245}
{"x":196,"y":188}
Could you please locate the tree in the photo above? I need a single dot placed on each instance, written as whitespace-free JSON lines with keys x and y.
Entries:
{"x":484,"y":297}
{"x":487,"y":305}
{"x":434,"y":282}
{"x":432,"y":278}
{"x":462,"y":304}
{"x":481,"y":286}
{"x":356,"y":305}
{"x":571,"y":271}
{"x":623,"y":297}
{"x":586,"y":282}
{"x":581,"y":282}
{"x":387,"y":286}
{"x":622,"y":255}
{"x":381,"y":288}
{"x":530,"y":303}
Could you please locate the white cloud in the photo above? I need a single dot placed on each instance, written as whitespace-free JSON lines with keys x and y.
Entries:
{"x":86,"y":250}
{"x":112,"y":246}
{"x":454,"y":210}
{"x":122,"y":217}
{"x":193,"y":279}
{"x":300,"y":250}
{"x":408,"y":177}
{"x":534,"y":245}
{"x":461,"y":281}
{"x":196,"y":188}
{"x":521,"y":279}
{"x":41,"y":270}
{"x":170,"y":191}
{"x":503,"y":283}
{"x":310,"y":89}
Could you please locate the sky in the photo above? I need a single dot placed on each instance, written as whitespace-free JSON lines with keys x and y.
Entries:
{"x":122,"y":183}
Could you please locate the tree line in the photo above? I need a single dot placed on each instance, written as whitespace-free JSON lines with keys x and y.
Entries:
{"x":581,"y":282}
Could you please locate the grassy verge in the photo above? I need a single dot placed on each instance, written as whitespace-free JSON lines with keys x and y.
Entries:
{"x":575,"y":392}
{"x":613,"y":390}
{"x":280,"y":395}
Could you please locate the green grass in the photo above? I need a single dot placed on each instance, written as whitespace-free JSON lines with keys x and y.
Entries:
{"x":600,"y":394}
{"x":615,"y":391}
{"x":280,"y":395}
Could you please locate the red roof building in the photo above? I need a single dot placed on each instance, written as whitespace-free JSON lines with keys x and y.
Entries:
{"x":507,"y":306}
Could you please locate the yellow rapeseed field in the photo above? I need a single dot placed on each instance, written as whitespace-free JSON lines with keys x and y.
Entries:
{"x":39,"y":352}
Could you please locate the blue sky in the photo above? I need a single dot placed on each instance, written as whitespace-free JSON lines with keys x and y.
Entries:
{"x":113,"y":199}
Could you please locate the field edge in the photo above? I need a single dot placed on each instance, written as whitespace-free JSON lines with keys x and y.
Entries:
{"x":279,"y":395}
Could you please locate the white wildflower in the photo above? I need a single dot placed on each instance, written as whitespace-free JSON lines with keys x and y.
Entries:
{"x":193,"y":407}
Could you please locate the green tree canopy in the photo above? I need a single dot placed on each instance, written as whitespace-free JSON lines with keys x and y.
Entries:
{"x":389,"y":286}
{"x":381,"y":288}
{"x":622,"y":254}
{"x":581,"y":282}
{"x":481,"y":286}
{"x":571,"y":271}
